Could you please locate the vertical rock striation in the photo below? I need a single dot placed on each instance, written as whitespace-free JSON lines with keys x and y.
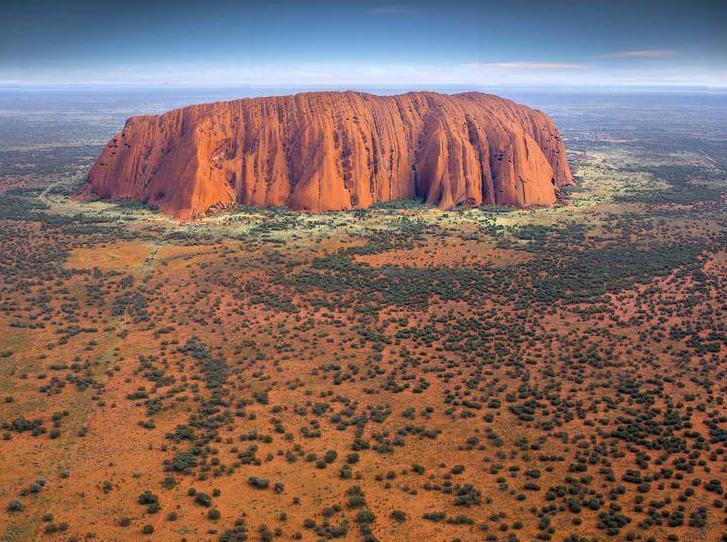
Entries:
{"x":327,"y":151}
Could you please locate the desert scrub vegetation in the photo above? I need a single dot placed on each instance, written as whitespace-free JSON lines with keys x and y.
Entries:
{"x":373,"y":375}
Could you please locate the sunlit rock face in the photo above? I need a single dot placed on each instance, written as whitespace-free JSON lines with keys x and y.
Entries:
{"x":325,"y":151}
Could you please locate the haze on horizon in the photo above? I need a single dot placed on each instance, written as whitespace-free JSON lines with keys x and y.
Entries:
{"x":359,"y":43}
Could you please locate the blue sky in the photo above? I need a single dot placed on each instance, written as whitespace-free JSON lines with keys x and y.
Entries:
{"x":363,"y":43}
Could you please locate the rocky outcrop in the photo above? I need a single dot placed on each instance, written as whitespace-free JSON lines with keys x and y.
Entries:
{"x":326,"y":151}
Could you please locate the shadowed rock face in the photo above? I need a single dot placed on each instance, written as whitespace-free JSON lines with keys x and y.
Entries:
{"x":327,"y":151}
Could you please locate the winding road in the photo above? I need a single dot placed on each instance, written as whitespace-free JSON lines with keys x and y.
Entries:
{"x":43,"y":195}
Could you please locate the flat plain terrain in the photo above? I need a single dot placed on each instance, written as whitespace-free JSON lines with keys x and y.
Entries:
{"x":397,"y":373}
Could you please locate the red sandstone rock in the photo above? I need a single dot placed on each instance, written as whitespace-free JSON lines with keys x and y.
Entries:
{"x":326,"y":151}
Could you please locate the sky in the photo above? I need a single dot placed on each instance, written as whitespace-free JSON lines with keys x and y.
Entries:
{"x":316,"y":43}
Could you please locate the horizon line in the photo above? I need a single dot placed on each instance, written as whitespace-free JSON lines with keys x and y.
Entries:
{"x":91,"y":85}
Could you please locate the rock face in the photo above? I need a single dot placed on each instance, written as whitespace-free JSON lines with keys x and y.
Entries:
{"x":327,"y":151}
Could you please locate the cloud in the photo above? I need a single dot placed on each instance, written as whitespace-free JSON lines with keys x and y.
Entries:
{"x":531,"y":65}
{"x":391,"y":10}
{"x":642,"y":53}
{"x":369,"y":76}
